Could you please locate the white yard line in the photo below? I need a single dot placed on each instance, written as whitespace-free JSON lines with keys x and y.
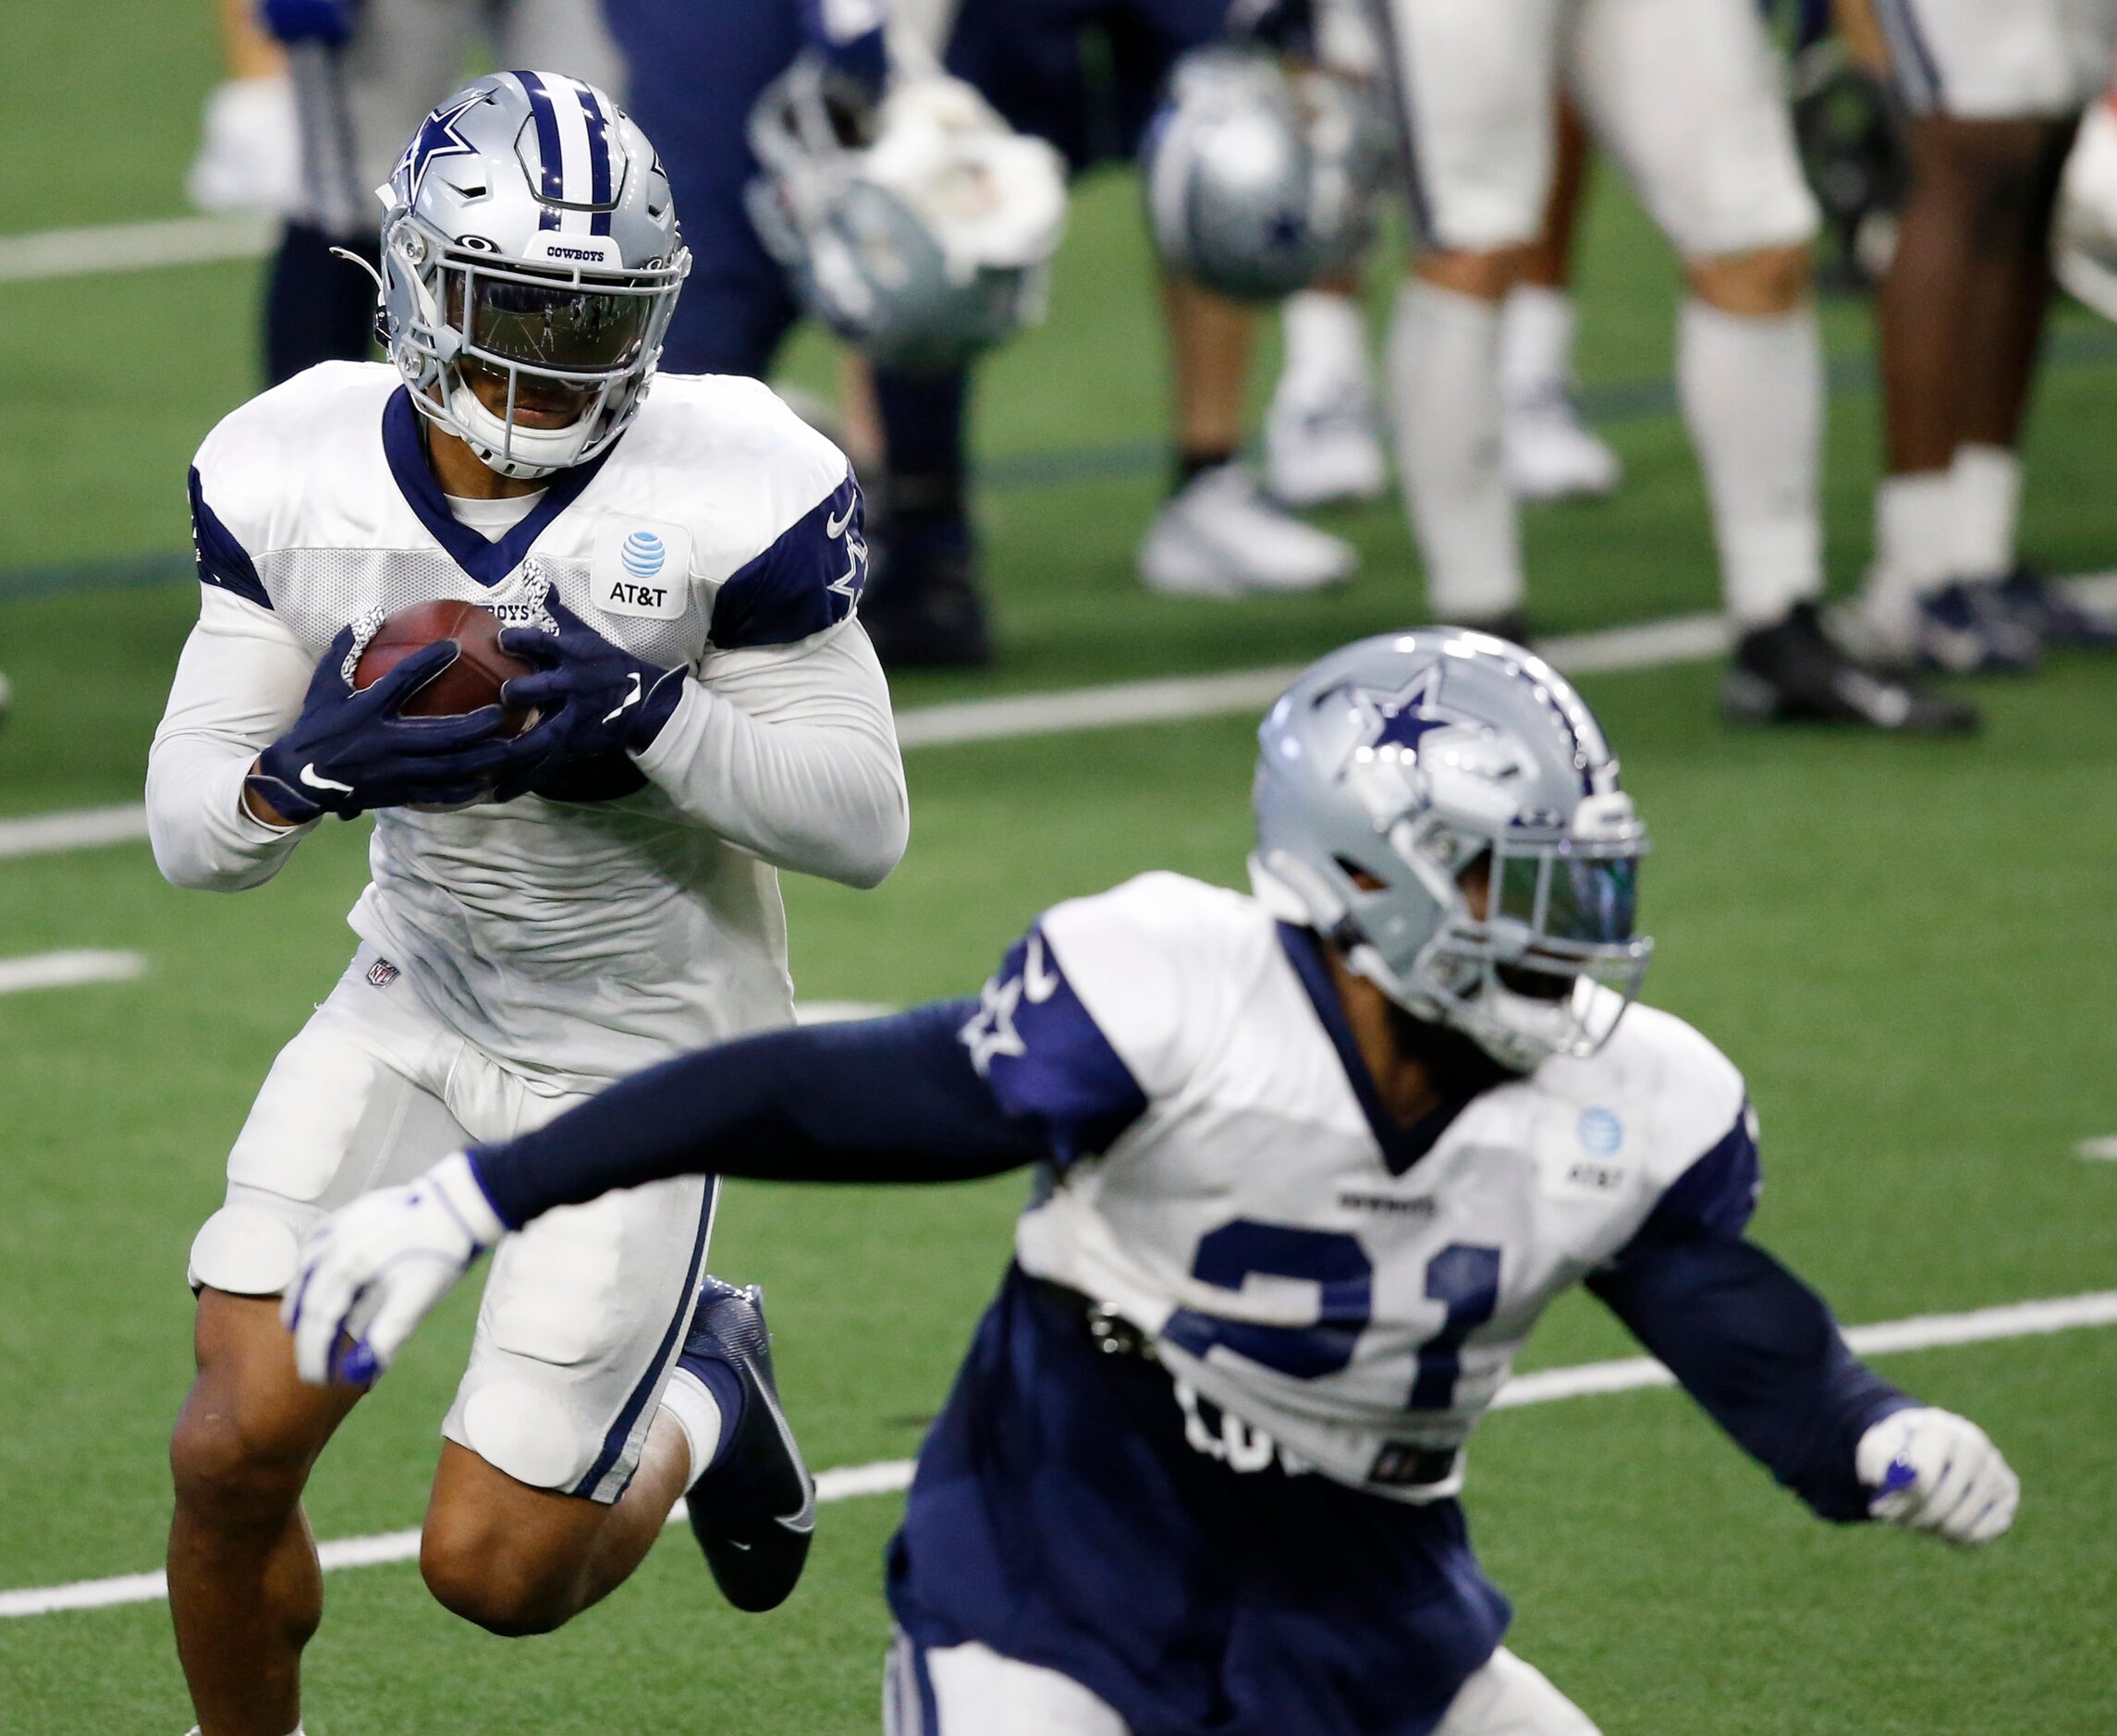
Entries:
{"x":1653,"y":645}
{"x":65,"y":969}
{"x":891,"y":1476}
{"x":113,"y":247}
{"x":2099,"y":1150}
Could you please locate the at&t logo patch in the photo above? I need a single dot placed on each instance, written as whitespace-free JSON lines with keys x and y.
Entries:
{"x":644,"y":569}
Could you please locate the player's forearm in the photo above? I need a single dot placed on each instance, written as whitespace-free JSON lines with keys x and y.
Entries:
{"x":886,"y":1100}
{"x":796,"y":763}
{"x":1761,"y":1353}
{"x":229,"y":698}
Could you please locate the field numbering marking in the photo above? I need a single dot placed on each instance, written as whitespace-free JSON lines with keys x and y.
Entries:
{"x":889,"y":1476}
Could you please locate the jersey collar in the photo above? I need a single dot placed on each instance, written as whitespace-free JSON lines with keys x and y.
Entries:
{"x":1401,"y":1145}
{"x":488,"y":563}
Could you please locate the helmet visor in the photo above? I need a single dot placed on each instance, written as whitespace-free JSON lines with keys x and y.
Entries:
{"x":557,"y":328}
{"x":1559,"y":894}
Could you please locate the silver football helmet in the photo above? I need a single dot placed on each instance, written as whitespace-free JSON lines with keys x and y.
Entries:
{"x":530,"y":238}
{"x":1260,"y":180}
{"x":924,"y":242}
{"x":1441,"y":805}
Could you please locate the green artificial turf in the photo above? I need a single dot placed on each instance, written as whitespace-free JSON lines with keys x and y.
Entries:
{"x":1905,"y":945}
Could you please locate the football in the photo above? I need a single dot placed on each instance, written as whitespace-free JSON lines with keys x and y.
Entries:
{"x":471,"y":682}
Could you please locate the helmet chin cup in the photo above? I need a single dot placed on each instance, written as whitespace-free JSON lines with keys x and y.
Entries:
{"x":510,"y":450}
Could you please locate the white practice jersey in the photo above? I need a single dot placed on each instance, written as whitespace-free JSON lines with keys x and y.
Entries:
{"x":630,"y":908}
{"x":1228,"y":1180}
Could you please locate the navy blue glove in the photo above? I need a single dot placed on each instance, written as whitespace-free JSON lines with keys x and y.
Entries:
{"x":595,"y":698}
{"x":328,"y":21}
{"x":351,"y":751}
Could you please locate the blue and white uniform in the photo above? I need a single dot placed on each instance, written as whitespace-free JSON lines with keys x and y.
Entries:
{"x":1255,"y":1529}
{"x":1199,"y":1469}
{"x":2026,"y":60}
{"x":515,"y":957}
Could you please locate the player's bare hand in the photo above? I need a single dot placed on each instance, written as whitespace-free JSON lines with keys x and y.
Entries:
{"x":372,"y":1272}
{"x":1937,"y":1472}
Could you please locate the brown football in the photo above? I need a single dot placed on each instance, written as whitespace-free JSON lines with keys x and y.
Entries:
{"x":471,"y":682}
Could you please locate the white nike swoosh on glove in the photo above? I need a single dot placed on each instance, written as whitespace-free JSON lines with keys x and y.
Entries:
{"x":314,"y":781}
{"x":629,"y":700}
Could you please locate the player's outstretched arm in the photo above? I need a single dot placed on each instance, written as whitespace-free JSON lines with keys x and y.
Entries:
{"x":1761,"y":1353}
{"x":893,"y":1099}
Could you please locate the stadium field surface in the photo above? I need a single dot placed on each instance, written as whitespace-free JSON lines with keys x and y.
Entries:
{"x":1907,"y":946}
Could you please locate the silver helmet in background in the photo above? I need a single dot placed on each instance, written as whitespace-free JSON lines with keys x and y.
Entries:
{"x":926,"y":236}
{"x":1441,"y":805}
{"x":1260,"y":180}
{"x":530,"y":237}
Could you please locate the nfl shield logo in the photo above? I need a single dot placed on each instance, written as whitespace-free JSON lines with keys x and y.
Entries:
{"x":381,"y":973}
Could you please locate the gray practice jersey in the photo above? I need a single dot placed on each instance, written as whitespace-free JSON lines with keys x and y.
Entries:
{"x":631,"y":907}
{"x":1354,"y":1289}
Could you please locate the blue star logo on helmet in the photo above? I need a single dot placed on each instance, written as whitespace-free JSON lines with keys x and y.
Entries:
{"x":643,"y":554}
{"x":436,"y":137}
{"x":1404,"y":718}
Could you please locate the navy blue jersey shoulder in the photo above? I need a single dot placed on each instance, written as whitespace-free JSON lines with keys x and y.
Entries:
{"x":1044,"y":1056}
{"x":1717,"y":1196}
{"x":810,"y":579}
{"x":222,"y":561}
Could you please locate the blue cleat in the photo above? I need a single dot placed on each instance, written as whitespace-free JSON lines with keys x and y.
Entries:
{"x":2031,"y":600}
{"x":1965,"y":629}
{"x":753,"y":1511}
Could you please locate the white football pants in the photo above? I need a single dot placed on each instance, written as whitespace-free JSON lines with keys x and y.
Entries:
{"x":973,"y":1691}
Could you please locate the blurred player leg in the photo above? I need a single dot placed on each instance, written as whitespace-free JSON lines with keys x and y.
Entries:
{"x":248,"y":158}
{"x":971,"y":1691}
{"x":1321,"y":443}
{"x":923,"y":606}
{"x":569,"y":36}
{"x":1473,"y":90}
{"x":1552,"y":452}
{"x":356,"y":103}
{"x":1510,"y":1697}
{"x":1217,"y":534}
{"x":1712,"y":157}
{"x":1994,"y":95}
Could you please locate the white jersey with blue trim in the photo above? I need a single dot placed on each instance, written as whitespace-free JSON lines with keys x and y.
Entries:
{"x":1225,"y":1179}
{"x":629,"y":908}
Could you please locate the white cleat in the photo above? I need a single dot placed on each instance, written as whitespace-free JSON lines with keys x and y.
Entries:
{"x":1220,"y":537}
{"x":1551,"y":454}
{"x":1320,"y":442}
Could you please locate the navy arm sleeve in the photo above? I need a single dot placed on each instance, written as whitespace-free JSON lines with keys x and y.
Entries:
{"x":1756,"y":1347}
{"x":892,"y":1099}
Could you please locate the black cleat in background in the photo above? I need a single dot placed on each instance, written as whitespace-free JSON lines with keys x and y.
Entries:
{"x":1793,"y":672}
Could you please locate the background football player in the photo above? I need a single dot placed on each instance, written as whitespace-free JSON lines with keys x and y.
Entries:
{"x":364,"y":73}
{"x":1686,"y":97}
{"x":548,"y":911}
{"x":1993,"y":95}
{"x":697,"y":72}
{"x":1312,"y":1165}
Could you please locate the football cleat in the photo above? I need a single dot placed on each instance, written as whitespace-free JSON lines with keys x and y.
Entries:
{"x":1793,"y":672}
{"x":2031,"y":601}
{"x":1219,"y":537}
{"x":1320,"y":444}
{"x":927,"y":614}
{"x":1966,"y":629}
{"x":754,"y":1512}
{"x":1551,"y":454}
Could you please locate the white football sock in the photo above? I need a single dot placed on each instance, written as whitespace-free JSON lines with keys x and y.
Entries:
{"x":1914,"y":539}
{"x":1325,"y":335}
{"x":1444,"y":383}
{"x":686,"y":1399}
{"x":1753,"y":395}
{"x":1536,"y":343}
{"x":1987,"y":486}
